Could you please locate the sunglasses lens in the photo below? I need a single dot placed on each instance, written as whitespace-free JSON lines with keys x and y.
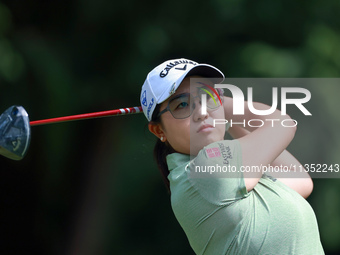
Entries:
{"x":180,"y":107}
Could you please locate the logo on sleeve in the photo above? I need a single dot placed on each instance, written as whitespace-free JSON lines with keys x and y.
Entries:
{"x":226,"y":153}
{"x":213,"y":152}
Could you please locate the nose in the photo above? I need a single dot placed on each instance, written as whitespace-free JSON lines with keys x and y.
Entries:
{"x":199,"y":113}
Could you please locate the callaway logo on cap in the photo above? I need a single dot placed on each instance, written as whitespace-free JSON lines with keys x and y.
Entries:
{"x":164,"y":79}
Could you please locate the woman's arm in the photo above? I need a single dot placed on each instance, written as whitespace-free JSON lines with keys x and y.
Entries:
{"x":298,"y":181}
{"x":264,"y":144}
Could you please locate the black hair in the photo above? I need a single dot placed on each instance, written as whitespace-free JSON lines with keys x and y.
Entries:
{"x":161,"y":150}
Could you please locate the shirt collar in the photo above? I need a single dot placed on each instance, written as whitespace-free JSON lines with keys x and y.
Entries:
{"x":177,"y":159}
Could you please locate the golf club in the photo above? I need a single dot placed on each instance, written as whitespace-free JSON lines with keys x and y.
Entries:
{"x":15,"y":127}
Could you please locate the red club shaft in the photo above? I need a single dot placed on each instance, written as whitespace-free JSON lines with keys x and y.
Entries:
{"x":122,"y":111}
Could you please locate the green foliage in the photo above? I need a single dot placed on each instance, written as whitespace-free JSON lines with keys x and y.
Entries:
{"x":92,"y":186}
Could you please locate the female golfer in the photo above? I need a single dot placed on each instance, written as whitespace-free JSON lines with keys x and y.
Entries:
{"x":221,"y":202}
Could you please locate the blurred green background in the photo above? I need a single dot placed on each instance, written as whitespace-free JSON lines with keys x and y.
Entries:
{"x":92,"y":187}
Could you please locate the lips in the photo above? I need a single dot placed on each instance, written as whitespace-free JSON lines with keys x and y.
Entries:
{"x":204,"y":127}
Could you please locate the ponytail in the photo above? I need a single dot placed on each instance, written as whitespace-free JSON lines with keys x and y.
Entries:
{"x":160,"y":151}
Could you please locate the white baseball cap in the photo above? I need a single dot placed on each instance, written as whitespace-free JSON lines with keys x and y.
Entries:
{"x":164,"y":79}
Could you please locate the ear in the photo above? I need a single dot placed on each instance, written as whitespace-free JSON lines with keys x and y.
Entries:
{"x":157,"y":130}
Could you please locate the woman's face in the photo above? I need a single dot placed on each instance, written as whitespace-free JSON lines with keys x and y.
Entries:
{"x":191,"y":134}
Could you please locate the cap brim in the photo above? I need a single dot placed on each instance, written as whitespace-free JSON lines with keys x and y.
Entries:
{"x":207,"y":71}
{"x":203,"y":70}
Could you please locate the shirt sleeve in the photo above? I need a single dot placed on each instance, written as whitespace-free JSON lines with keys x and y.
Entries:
{"x":215,"y":172}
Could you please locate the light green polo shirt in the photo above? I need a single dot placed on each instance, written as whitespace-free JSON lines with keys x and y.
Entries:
{"x":219,"y":216}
